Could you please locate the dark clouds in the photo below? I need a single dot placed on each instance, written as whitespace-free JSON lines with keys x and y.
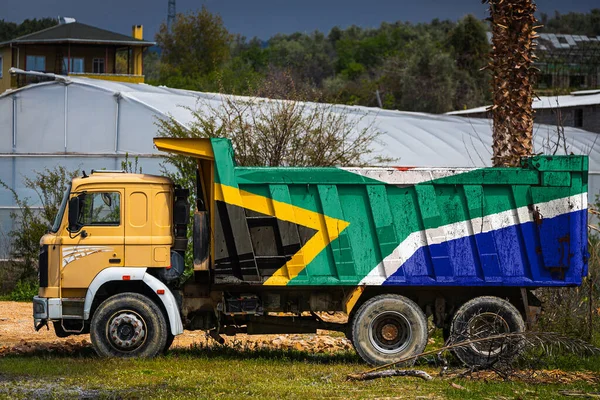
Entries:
{"x":262,"y":18}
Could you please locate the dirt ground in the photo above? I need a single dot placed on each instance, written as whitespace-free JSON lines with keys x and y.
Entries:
{"x":16,"y":329}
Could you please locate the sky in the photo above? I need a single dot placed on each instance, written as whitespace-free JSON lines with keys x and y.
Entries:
{"x":263,"y":18}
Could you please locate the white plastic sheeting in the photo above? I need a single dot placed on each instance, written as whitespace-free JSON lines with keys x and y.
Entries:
{"x":576,"y":99}
{"x":87,"y":123}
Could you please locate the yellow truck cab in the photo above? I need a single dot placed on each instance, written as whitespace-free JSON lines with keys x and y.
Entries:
{"x":123,"y":227}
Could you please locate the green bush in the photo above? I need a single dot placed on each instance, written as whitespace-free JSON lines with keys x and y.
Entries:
{"x":24,"y":291}
{"x":31,"y":223}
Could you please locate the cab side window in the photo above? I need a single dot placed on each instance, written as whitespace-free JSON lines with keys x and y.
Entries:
{"x":101,"y":209}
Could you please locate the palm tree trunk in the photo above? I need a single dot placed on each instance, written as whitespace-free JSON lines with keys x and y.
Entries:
{"x":513,"y":74}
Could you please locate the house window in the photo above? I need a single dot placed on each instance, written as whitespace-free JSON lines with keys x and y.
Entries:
{"x":76,"y":65}
{"x":98,"y":66}
{"x":578,"y":118}
{"x":36,"y":63}
{"x":576,"y":81}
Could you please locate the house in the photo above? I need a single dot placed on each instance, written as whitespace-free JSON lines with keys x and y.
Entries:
{"x":565,"y":62}
{"x":75,"y":49}
{"x":580,"y":109}
{"x":568,"y":61}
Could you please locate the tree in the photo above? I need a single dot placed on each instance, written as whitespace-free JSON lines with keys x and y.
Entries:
{"x":309,"y":56}
{"x":267,"y":132}
{"x":470,"y":49}
{"x":197,"y":44}
{"x":423,"y":81}
{"x":31,"y":224}
{"x":469,"y":42}
{"x":351,"y":66}
{"x":151,"y":66}
{"x":11,"y":30}
{"x":573,"y":23}
{"x":513,"y":76}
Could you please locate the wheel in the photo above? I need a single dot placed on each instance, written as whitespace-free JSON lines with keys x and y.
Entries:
{"x":59,"y":330}
{"x":128,"y":325}
{"x":482,"y":317}
{"x":388,"y":328}
{"x":170,"y":338}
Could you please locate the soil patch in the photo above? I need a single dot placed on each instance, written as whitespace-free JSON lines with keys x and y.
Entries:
{"x":18,"y":336}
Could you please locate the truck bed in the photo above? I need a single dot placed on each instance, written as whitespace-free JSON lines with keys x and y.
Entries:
{"x":524,"y":226}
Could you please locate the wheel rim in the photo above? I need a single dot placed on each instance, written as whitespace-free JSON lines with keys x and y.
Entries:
{"x":390,"y":332}
{"x":126,"y":331}
{"x":484,"y":325}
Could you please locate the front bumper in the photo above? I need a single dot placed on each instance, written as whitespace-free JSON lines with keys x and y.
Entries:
{"x":46,"y":309}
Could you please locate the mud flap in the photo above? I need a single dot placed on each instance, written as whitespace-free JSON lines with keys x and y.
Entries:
{"x":201,"y":241}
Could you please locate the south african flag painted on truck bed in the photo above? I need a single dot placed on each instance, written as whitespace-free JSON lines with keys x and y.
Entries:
{"x":522,"y":226}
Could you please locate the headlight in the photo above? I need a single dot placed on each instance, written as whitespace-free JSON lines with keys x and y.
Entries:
{"x":38,"y":308}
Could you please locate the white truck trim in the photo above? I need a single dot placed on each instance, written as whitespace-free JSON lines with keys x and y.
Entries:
{"x":168,"y":301}
{"x":135,"y":274}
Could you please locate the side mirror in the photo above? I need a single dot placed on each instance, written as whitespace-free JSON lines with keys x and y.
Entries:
{"x":106,"y":199}
{"x":73,"y":214}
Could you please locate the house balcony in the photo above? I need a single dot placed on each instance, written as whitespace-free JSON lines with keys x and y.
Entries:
{"x":20,"y":80}
{"x":127,"y":78}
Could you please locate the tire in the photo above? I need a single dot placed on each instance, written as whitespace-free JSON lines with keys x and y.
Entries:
{"x":481,"y":317}
{"x":59,"y":331}
{"x":388,"y":328}
{"x":128,"y":325}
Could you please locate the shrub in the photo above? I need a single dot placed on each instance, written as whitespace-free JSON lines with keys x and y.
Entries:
{"x":24,"y":290}
{"x":31,"y":223}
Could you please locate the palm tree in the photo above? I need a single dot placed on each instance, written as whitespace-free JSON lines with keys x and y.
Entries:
{"x":513,"y":74}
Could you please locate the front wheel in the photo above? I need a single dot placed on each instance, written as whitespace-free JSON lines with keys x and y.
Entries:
{"x":128,"y":325}
{"x":388,"y":328}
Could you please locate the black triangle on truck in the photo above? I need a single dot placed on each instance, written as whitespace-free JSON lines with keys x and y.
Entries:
{"x":251,"y":246}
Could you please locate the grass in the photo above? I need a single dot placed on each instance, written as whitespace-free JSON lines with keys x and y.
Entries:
{"x":232,"y":374}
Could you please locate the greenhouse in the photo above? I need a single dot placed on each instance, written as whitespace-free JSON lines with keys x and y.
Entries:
{"x":92,"y":124}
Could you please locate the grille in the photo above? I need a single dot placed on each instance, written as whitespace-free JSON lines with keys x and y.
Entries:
{"x":43,"y":266}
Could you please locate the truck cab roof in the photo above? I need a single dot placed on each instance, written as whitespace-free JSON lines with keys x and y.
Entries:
{"x":115,"y":177}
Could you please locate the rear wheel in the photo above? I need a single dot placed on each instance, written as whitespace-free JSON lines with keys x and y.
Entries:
{"x":388,"y":328}
{"x":483,"y":317}
{"x":128,"y":325}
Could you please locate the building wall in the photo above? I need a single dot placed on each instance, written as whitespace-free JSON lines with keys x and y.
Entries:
{"x":6,"y":54}
{"x":591,"y":117}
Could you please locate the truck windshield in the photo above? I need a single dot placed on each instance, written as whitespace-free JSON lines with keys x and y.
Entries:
{"x":61,"y":210}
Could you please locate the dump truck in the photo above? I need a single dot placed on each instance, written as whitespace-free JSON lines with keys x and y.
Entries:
{"x":274,"y":249}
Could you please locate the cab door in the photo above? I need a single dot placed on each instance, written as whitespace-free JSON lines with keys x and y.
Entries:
{"x":99,"y":244}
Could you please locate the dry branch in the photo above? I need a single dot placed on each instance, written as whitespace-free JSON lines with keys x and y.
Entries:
{"x":580,"y":394}
{"x":390,"y":372}
{"x":512,"y":344}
